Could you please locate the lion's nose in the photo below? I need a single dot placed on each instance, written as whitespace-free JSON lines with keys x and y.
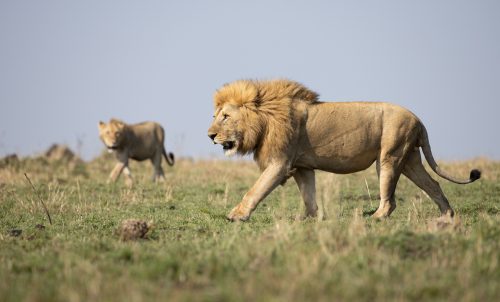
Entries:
{"x":212,"y":135}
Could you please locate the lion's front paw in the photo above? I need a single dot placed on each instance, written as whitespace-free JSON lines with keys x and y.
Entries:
{"x":239,"y":213}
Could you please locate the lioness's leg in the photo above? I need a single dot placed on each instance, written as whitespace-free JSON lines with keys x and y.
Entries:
{"x":389,"y":176}
{"x":270,"y":178}
{"x":115,"y":173}
{"x":158,"y":171}
{"x":128,"y":176}
{"x":307,"y":185}
{"x":416,"y":172}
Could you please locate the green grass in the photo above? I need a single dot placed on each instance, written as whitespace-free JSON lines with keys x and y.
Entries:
{"x":194,"y":254}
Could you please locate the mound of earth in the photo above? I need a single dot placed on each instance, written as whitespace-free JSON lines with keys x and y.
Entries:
{"x":58,"y":152}
{"x":133,"y":229}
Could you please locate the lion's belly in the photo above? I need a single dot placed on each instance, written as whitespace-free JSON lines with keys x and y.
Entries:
{"x":338,"y":160}
{"x":141,"y":157}
{"x":141,"y":154}
{"x":339,"y":166}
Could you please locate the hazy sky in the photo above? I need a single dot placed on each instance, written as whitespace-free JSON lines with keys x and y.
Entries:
{"x":65,"y":65}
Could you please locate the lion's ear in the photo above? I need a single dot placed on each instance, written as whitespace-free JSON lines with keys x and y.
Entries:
{"x":117,"y":122}
{"x":101,"y":124}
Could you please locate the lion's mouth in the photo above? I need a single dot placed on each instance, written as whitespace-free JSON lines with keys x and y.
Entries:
{"x":228,"y":145}
{"x":112,"y":147}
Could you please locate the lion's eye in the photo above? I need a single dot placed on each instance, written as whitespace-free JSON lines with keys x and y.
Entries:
{"x":225,"y":116}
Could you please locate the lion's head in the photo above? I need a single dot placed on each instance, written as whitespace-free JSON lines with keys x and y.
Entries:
{"x":254,"y":115}
{"x":233,"y":116}
{"x":112,"y":134}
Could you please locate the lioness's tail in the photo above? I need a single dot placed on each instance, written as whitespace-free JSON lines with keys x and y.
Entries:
{"x":169,"y":157}
{"x":426,"y":148}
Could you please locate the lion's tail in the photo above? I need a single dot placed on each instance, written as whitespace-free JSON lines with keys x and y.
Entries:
{"x":169,"y":157}
{"x":426,"y":148}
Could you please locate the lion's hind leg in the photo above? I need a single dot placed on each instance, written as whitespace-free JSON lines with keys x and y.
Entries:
{"x":306,"y":182}
{"x":416,"y":172}
{"x":158,"y":174}
{"x":388,"y":178}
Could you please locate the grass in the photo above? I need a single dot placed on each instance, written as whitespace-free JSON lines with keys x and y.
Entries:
{"x":194,"y":254}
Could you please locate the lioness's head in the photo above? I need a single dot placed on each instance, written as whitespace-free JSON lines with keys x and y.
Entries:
{"x":236,"y":125}
{"x":111,"y":134}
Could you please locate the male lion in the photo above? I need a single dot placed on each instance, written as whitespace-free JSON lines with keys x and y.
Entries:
{"x":139,"y":141}
{"x":291,"y":133}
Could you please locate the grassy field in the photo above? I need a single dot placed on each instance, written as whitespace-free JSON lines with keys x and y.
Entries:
{"x":194,"y":254}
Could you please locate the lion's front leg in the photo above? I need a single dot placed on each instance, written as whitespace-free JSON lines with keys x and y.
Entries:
{"x":307,"y":186}
{"x":272,"y":176}
{"x":128,"y":177}
{"x":115,"y":173}
{"x":121,"y":166}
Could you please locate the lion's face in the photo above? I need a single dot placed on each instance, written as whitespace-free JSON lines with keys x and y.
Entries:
{"x":111,"y":134}
{"x":226,"y":130}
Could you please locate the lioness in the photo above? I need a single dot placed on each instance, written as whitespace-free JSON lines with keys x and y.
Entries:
{"x":139,"y":141}
{"x":291,"y":133}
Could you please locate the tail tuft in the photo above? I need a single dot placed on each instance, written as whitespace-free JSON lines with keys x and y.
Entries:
{"x":169,"y":157}
{"x":475,"y":175}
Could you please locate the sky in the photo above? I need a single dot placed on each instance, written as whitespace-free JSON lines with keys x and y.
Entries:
{"x":66,"y":65}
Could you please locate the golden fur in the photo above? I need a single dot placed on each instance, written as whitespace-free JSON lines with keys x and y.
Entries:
{"x":139,"y":141}
{"x":291,"y":133}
